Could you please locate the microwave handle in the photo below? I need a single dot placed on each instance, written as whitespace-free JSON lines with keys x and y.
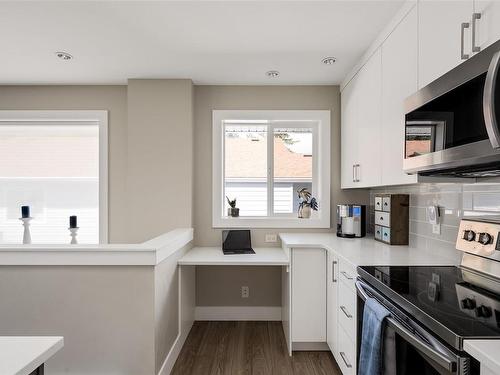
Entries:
{"x":490,"y":117}
{"x":439,"y":355}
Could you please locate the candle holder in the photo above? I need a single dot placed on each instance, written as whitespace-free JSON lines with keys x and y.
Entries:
{"x":26,"y":234}
{"x":73,"y":234}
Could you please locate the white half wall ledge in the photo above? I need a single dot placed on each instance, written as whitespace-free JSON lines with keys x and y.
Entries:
{"x":238,"y":313}
{"x":149,"y":253}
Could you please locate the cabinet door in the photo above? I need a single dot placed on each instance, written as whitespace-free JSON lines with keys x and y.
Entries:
{"x":308,"y":295}
{"x":488,"y":26}
{"x":332,"y":302}
{"x":439,"y":25}
{"x":399,"y":80}
{"x":348,"y":133}
{"x":369,"y":118}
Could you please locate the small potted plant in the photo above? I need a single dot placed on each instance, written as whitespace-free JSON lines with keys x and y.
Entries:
{"x":232,"y":211}
{"x":306,"y":204}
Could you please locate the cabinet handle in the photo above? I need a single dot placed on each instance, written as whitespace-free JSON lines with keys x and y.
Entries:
{"x":463,"y":55}
{"x":475,"y":17}
{"x":358,"y":169}
{"x":354,"y":173}
{"x":334,"y":280}
{"x":346,"y":313}
{"x":346,"y":275}
{"x":344,"y":358}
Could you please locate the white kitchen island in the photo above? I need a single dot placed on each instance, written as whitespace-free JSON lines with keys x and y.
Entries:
{"x":117,"y":306}
{"x":25,"y":355}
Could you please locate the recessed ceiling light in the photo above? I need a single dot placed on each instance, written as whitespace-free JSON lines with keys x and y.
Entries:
{"x":64,"y":55}
{"x":329,"y":60}
{"x":272,"y":74}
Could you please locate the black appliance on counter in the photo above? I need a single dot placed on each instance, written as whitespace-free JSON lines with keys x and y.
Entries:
{"x":434,"y":309}
{"x":351,"y":220}
{"x":453,"y":124}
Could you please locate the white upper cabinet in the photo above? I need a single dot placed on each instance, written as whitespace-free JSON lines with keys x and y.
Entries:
{"x":487,"y":25}
{"x":441,"y":25}
{"x":348,"y":134}
{"x":367,"y":168}
{"x":399,"y":80}
{"x":360,"y":127}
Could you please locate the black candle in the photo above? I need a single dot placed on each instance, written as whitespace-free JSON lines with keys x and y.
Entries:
{"x":25,"y":212}
{"x":72,"y":222}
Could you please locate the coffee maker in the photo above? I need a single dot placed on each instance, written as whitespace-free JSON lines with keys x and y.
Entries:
{"x":351,"y":220}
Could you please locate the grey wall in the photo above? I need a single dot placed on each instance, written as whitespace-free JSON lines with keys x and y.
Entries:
{"x":455,"y":200}
{"x":160,"y":156}
{"x":105,"y":314}
{"x":208,"y":98}
{"x":217,"y":286}
{"x":110,"y":98}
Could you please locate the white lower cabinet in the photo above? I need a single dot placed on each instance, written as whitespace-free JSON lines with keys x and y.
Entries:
{"x":323,"y":304}
{"x":308,"y":303}
{"x":341,"y":310}
{"x":332,"y":297}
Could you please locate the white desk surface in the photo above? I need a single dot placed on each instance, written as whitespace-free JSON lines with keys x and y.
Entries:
{"x":21,"y":355}
{"x":213,"y":256}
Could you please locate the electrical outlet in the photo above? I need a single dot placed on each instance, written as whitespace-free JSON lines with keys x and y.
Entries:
{"x":436,"y":228}
{"x":245,"y":292}
{"x":271,"y":237}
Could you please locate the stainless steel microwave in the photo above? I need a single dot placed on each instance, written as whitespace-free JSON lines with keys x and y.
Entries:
{"x":452,"y":126}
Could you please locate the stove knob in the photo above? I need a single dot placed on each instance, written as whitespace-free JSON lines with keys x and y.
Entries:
{"x":469,"y":235}
{"x":485,"y":238}
{"x":483,"y":311}
{"x":468,"y":304}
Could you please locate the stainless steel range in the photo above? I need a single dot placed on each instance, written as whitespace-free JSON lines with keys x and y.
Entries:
{"x":434,"y":309}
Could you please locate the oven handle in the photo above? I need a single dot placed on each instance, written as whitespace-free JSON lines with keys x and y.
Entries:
{"x":442,"y":355}
{"x":490,"y":117}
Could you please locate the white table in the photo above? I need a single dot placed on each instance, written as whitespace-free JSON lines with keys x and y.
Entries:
{"x":213,"y":256}
{"x":24,"y":355}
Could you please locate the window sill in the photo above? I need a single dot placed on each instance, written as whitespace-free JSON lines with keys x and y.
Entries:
{"x":267,"y":222}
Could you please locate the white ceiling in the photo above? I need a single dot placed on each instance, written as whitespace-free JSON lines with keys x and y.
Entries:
{"x":227,"y":42}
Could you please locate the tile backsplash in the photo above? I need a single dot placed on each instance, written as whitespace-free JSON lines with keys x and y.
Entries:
{"x":455,"y":200}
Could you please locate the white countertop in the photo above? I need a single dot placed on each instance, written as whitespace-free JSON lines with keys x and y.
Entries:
{"x":148,"y":253}
{"x":366,"y":251}
{"x":486,"y":352}
{"x":212,"y":256}
{"x":21,"y":355}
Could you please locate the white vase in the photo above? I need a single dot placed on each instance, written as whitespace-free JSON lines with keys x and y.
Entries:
{"x":306,"y":212}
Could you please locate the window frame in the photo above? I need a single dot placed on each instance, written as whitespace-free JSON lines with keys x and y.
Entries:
{"x":321,"y":168}
{"x":68,"y":117}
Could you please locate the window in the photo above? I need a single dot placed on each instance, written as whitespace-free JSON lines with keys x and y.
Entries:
{"x":262,"y":159}
{"x":56,"y":163}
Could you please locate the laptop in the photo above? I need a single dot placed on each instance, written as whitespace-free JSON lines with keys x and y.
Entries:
{"x":236,"y":242}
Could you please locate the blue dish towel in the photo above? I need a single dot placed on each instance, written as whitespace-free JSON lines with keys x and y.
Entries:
{"x":371,"y":356}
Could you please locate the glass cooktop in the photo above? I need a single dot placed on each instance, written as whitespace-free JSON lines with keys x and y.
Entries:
{"x":455,"y":303}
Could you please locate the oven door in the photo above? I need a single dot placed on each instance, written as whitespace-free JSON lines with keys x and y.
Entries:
{"x":416,"y":351}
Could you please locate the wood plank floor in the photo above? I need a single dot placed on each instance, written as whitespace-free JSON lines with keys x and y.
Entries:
{"x":246,"y":348}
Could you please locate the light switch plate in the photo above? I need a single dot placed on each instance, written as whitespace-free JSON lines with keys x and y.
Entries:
{"x":436,"y":228}
{"x":271,"y":237}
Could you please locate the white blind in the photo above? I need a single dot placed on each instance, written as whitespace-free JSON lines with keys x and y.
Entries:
{"x":54,"y":169}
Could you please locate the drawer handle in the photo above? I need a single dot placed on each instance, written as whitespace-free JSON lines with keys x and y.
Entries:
{"x":334,"y":280}
{"x":381,"y":218}
{"x":346,"y":275}
{"x":346,"y":313}
{"x":344,"y":358}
